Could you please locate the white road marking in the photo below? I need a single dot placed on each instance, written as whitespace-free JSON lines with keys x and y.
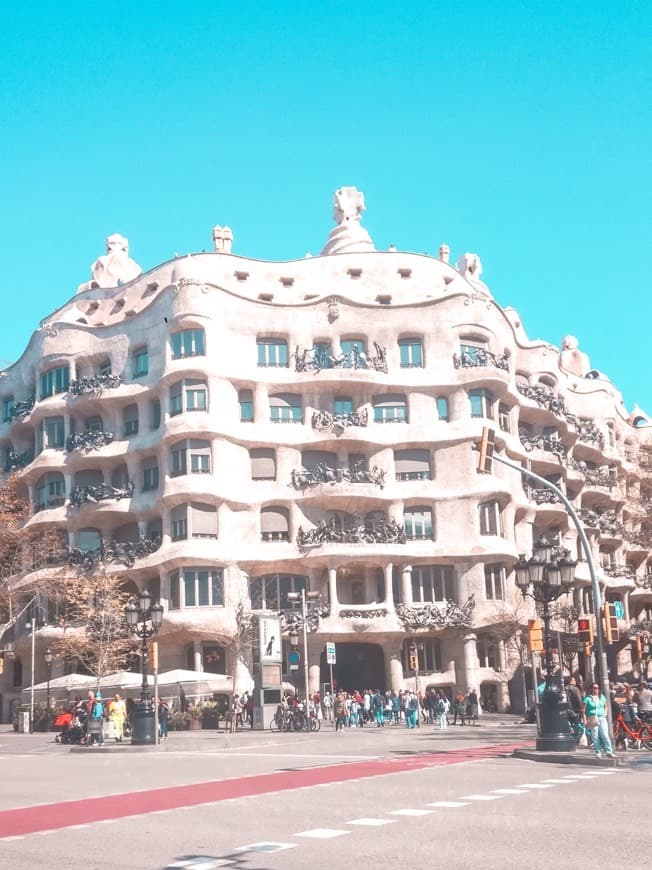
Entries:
{"x":556,"y":781}
{"x":323,"y":833}
{"x":507,"y":791}
{"x":604,"y":772}
{"x":447,"y":804}
{"x":371,"y":823}
{"x":266,"y":846}
{"x":410,"y":812}
{"x":534,"y":785}
{"x":481,"y":797}
{"x":580,"y":776}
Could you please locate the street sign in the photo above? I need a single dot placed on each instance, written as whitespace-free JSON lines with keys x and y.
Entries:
{"x":294,"y":659}
{"x":330,"y":654}
{"x":618,"y":609}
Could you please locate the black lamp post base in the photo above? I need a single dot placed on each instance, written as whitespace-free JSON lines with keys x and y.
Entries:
{"x":144,"y":724}
{"x":555,"y":733}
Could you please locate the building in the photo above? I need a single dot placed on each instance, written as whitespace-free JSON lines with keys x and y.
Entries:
{"x":228,"y":430}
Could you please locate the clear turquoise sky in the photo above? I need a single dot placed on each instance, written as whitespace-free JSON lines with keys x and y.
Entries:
{"x":520,"y":131}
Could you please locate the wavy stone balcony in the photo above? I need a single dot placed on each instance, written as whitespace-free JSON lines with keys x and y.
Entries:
{"x":546,"y":399}
{"x":451,"y":614}
{"x":607,"y":522}
{"x":322,"y":473}
{"x":387,"y":532}
{"x":102,"y":492}
{"x":94,"y":384}
{"x":543,"y":442}
{"x":481,"y":358}
{"x":23,"y":408}
{"x":604,"y":477}
{"x":119,"y":553}
{"x":88,"y":441}
{"x":18,"y":460}
{"x":317,"y":360}
{"x":325,"y":421}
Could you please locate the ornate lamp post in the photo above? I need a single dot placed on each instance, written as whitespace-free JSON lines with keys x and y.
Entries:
{"x":48,"y":663}
{"x":306,"y":599}
{"x":144,"y":620}
{"x":545,"y":577}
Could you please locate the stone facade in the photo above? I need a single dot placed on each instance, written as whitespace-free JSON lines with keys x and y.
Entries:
{"x":224,"y":430}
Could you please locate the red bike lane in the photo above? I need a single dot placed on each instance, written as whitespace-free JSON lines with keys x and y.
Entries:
{"x":66,"y":814}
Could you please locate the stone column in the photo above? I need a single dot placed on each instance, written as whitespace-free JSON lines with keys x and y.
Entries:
{"x":394,"y":665}
{"x":471,"y":664}
{"x":332,"y":591}
{"x":406,"y":584}
{"x":197,"y":654}
{"x":314,"y":672}
{"x":389,"y":589}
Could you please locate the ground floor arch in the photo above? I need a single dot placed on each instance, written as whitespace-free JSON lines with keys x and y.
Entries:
{"x":359,"y":666}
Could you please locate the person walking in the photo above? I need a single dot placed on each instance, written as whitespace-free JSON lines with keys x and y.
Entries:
{"x":117,"y":716}
{"x":443,"y":705}
{"x":163,"y":716}
{"x":97,"y":715}
{"x":378,"y":705}
{"x":472,"y":707}
{"x":340,"y":712}
{"x":327,"y":704}
{"x":595,"y":718}
{"x":575,"y":706}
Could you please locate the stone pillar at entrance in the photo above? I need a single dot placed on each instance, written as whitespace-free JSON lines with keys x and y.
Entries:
{"x":332,"y":591}
{"x":406,"y":584}
{"x":313,"y":679}
{"x":389,"y":588}
{"x":394,"y":666}
{"x":471,"y":663}
{"x":197,"y":655}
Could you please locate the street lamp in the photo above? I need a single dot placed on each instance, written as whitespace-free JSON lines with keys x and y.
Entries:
{"x":545,"y":577}
{"x":48,"y":663}
{"x":144,"y":620}
{"x":304,"y":597}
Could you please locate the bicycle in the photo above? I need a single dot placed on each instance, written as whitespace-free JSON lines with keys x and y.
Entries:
{"x":634,"y":737}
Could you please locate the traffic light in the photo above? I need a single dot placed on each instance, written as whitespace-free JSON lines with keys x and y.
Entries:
{"x":2,"y":664}
{"x":587,"y":650}
{"x":585,"y":630}
{"x":645,"y":644}
{"x":486,"y":448}
{"x":611,"y":633}
{"x":638,"y":648}
{"x":413,"y":657}
{"x":535,"y":635}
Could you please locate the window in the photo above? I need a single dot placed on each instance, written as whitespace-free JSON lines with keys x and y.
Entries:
{"x":432,"y":583}
{"x":482,"y":403}
{"x":428,"y":651}
{"x":472,"y":351}
{"x":88,"y":540}
{"x":246,"y":402}
{"x":352,"y":349}
{"x":130,"y":419}
{"x":7,"y":409}
{"x":263,"y":463}
{"x":150,"y":474}
{"x":390,"y":409}
{"x":93,"y":424}
{"x":194,"y":520}
{"x":487,"y":650}
{"x":54,"y":435}
{"x":188,"y":342}
{"x":179,"y":522}
{"x":188,"y":395}
{"x":55,"y":381}
{"x":491,"y":519}
{"x":442,"y":408}
{"x":154,"y":414}
{"x":322,"y":354}
{"x":503,"y":418}
{"x":197,"y":451}
{"x":411,"y":353}
{"x":418,"y":524}
{"x":50,"y":492}
{"x":343,"y":405}
{"x":412,"y":464}
{"x":274,"y":525}
{"x":270,"y":591}
{"x":494,"y":582}
{"x":272,"y":352}
{"x":285,"y":408}
{"x":196,"y":587}
{"x":140,"y":362}
{"x":104,"y":368}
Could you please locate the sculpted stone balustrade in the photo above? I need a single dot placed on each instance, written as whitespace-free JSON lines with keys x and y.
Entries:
{"x":544,"y":496}
{"x":436,"y":615}
{"x":316,"y":359}
{"x":545,"y":398}
{"x":120,"y":553}
{"x":102,"y":492}
{"x":88,"y":441}
{"x":620,"y":571}
{"x":481,"y":357}
{"x":636,"y":537}
{"x":588,"y":432}
{"x":292,"y":620}
{"x":324,"y":420}
{"x":387,"y":532}
{"x":543,"y":442}
{"x":22,"y":409}
{"x":19,"y":460}
{"x":94,"y":384}
{"x":606,"y":522}
{"x":321,"y":473}
{"x":605,"y":476}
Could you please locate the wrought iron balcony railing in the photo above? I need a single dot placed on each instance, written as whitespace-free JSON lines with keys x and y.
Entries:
{"x":437,"y":615}
{"x":481,"y":357}
{"x":615,"y":571}
{"x":88,"y":441}
{"x":94,"y":384}
{"x":604,"y":477}
{"x":545,"y":398}
{"x":101,"y":492}
{"x":359,"y":472}
{"x":272,"y":537}
{"x":606,"y":521}
{"x":386,"y":532}
{"x":544,"y":496}
{"x":543,"y":442}
{"x":587,"y":431}
{"x":325,"y":420}
{"x":413,"y":475}
{"x":22,"y":409}
{"x":18,"y":460}
{"x":316,"y":359}
{"x":122,"y":553}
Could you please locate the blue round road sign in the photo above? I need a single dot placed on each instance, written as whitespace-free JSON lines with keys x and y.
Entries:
{"x":295,"y":657}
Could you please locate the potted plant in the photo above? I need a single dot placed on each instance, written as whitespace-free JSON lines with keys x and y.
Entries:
{"x":194,"y":715}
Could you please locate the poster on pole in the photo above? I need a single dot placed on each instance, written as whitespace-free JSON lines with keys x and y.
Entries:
{"x":269,"y":636}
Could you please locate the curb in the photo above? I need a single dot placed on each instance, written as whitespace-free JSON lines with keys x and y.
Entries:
{"x":583,"y":760}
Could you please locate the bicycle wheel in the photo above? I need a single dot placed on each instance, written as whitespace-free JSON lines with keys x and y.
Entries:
{"x":273,"y":725}
{"x":298,"y":723}
{"x":315,"y":724}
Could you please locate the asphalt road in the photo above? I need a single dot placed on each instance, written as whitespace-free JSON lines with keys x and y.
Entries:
{"x":417,"y":798}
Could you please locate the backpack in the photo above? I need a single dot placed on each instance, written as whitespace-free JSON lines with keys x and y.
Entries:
{"x":98,"y":710}
{"x":441,"y":706}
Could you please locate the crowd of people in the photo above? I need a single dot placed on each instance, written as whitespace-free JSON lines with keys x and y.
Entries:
{"x":90,"y":720}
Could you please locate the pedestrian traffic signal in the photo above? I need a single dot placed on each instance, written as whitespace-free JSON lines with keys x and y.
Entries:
{"x":413,"y":657}
{"x":611,"y":633}
{"x":585,"y":630}
{"x":645,"y":644}
{"x":486,"y":448}
{"x":535,"y":635}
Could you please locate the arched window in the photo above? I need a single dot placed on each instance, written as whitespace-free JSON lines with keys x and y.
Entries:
{"x":130,"y":420}
{"x":196,"y":587}
{"x":50,"y":491}
{"x":411,"y":353}
{"x":246,"y":402}
{"x":482,"y":403}
{"x":272,"y":352}
{"x":263,"y":463}
{"x":187,"y":342}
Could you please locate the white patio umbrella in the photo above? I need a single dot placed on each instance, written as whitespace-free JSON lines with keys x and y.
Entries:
{"x":196,"y":682}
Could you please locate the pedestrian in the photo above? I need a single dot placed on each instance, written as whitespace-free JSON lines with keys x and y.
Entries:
{"x":575,"y":707}
{"x":411,"y":710}
{"x":442,"y":708}
{"x":163,"y":716}
{"x":327,"y":704}
{"x":97,"y":716}
{"x":340,"y":712}
{"x":644,"y":700}
{"x":595,"y":718}
{"x":472,"y":707}
{"x":459,"y":708}
{"x":117,"y":716}
{"x":396,"y":707}
{"x":378,"y":706}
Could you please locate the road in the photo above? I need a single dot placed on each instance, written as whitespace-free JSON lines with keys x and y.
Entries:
{"x":372,"y":796}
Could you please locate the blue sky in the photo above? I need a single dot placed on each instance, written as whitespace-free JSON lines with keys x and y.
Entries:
{"x":520,"y":131}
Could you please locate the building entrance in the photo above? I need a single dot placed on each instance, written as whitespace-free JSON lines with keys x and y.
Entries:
{"x":359,"y":666}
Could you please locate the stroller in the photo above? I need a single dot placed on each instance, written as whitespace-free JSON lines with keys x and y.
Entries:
{"x":73,"y":730}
